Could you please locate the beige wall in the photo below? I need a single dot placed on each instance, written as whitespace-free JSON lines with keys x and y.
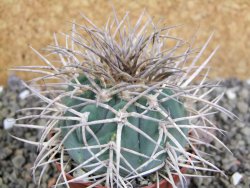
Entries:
{"x":24,"y":22}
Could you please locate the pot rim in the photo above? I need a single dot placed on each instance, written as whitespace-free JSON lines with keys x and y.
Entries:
{"x":162,"y":184}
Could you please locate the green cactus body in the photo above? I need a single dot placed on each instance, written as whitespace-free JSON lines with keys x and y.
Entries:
{"x":130,"y":139}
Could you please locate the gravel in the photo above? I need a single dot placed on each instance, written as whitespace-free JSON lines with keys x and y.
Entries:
{"x":16,"y":158}
{"x":8,"y":123}
{"x":236,"y":165}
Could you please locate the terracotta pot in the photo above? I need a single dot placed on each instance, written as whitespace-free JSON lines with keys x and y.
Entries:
{"x":163,"y":183}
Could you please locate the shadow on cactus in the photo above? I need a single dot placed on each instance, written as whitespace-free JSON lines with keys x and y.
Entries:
{"x":122,"y":104}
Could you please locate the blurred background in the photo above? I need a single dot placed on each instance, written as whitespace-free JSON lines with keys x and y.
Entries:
{"x":33,"y":22}
{"x":29,"y":22}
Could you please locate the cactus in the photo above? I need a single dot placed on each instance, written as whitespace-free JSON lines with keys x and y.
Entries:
{"x":121,"y":103}
{"x":140,"y":136}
